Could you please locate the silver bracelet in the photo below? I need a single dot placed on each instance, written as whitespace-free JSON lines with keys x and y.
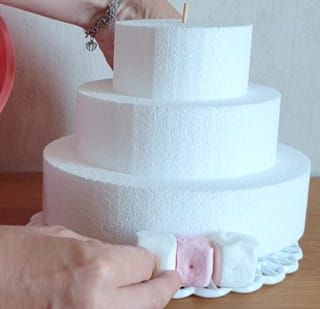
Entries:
{"x":108,"y":20}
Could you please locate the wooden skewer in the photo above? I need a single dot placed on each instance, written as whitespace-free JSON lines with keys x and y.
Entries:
{"x":185,"y":12}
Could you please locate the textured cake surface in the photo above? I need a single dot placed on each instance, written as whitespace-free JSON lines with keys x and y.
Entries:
{"x":195,"y":140}
{"x":174,"y":61}
{"x":270,"y":206}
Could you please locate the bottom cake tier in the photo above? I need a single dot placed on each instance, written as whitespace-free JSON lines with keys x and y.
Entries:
{"x":270,"y":206}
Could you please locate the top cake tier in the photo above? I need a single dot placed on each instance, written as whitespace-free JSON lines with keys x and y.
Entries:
{"x":166,"y":59}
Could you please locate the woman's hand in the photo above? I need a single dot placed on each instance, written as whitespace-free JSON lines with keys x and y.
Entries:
{"x":134,"y":9}
{"x":85,"y":13}
{"x":52,"y":267}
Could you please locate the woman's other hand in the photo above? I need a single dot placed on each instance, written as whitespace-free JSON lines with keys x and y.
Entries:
{"x":52,"y":267}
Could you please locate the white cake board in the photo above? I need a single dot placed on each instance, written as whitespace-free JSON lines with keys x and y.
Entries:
{"x":271,"y":270}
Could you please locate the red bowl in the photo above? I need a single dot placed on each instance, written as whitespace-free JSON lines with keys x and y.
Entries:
{"x":7,"y":64}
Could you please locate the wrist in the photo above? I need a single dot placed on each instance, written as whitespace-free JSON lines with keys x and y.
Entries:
{"x":92,"y":11}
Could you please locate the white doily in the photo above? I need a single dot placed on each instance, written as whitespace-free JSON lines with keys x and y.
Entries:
{"x":271,"y":270}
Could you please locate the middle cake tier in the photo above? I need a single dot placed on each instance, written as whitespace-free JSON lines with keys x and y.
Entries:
{"x":194,"y":140}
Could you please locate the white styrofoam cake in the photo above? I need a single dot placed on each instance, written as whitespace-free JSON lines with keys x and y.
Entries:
{"x":178,"y":142}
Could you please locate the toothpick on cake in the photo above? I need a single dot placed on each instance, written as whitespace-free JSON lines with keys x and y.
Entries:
{"x":185,"y":13}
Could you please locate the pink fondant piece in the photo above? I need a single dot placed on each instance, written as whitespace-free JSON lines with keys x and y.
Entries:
{"x":194,"y":261}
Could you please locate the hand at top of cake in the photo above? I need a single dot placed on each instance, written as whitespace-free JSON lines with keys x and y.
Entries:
{"x":135,"y":9}
{"x":86,"y":13}
{"x":42,"y":267}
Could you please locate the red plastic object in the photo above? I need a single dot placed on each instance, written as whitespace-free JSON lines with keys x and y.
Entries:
{"x":7,"y":64}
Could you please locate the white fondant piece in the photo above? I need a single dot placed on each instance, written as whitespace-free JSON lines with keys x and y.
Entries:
{"x":162,"y":245}
{"x":214,"y":139}
{"x":236,"y":259}
{"x":269,"y":206}
{"x":170,"y":60}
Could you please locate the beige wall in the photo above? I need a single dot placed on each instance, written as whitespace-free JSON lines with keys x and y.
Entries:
{"x":52,"y":62}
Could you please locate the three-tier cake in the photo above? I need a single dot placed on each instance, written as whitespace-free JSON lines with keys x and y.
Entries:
{"x":178,"y":142}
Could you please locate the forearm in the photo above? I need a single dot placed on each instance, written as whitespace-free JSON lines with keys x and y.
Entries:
{"x":77,"y":12}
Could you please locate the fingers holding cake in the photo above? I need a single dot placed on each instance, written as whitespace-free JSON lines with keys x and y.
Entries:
{"x":68,"y":270}
{"x":155,"y":293}
{"x":124,"y":277}
{"x":123,"y":265}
